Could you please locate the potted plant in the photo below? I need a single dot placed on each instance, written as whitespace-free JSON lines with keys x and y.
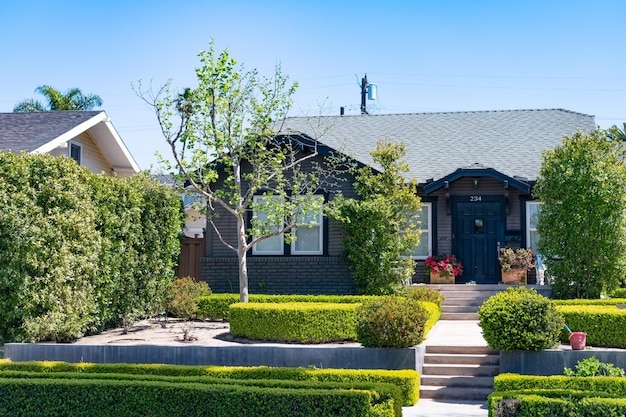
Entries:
{"x":515,"y":264}
{"x":443,"y":269}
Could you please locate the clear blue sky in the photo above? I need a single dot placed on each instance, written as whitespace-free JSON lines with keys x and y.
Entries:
{"x":424,"y":56}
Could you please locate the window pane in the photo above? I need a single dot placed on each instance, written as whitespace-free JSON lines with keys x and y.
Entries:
{"x":273,"y":245}
{"x":308,"y":240}
{"x":424,"y":248}
{"x":533,"y":211}
{"x":309,"y":233}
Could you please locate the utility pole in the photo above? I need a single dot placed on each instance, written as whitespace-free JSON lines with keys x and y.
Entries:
{"x":364,"y":95}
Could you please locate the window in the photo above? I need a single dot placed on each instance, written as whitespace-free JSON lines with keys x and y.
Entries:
{"x":76,"y":151}
{"x":272,"y":245}
{"x":309,"y":232}
{"x":425,"y":246}
{"x":532,"y":237}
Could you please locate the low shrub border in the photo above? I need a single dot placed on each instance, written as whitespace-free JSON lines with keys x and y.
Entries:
{"x":215,"y":306}
{"x":294,"y":322}
{"x":406,"y":380}
{"x":554,"y":403}
{"x":594,"y":302}
{"x":385,"y":391}
{"x":604,"y":324}
{"x":515,"y":382}
{"x":77,"y":397}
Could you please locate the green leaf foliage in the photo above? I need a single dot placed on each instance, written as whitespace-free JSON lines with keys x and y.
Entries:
{"x":594,"y":367}
{"x":520,"y":319}
{"x":72,"y":99}
{"x":582,"y":222}
{"x":294,"y":322}
{"x":71,"y":258}
{"x":604,"y":324}
{"x":381,"y":227}
{"x":406,"y":380}
{"x":391,"y":321}
{"x":81,"y":397}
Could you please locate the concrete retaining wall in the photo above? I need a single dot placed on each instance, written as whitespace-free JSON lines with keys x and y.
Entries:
{"x":280,"y":356}
{"x":553,"y":362}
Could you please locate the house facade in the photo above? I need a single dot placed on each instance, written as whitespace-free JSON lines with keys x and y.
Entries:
{"x":88,"y":137}
{"x":475,"y":172}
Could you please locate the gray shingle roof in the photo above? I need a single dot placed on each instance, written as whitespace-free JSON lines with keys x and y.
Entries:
{"x":29,"y":131}
{"x":509,"y":141}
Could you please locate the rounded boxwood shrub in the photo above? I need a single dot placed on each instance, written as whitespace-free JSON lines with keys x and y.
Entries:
{"x":395,"y":322}
{"x":520,"y":319}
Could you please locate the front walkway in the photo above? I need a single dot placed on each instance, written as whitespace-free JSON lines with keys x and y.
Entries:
{"x":451,"y":333}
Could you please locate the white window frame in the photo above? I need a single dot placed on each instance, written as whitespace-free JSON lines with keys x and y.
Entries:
{"x":528,"y":227}
{"x":319,"y":226}
{"x":280,"y":237}
{"x":79,"y":146}
{"x":428,"y":229}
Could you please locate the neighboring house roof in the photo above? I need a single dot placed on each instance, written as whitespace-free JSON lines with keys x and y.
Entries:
{"x":42,"y":132}
{"x":509,"y":141}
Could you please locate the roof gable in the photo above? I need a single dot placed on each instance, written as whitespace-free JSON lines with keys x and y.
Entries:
{"x":508,"y":141}
{"x":41,"y":132}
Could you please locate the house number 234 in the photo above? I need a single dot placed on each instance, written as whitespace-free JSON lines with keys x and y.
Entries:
{"x":474,"y":198}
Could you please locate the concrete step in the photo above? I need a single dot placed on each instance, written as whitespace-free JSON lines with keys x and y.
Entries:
{"x":469,"y":350}
{"x":459,"y":316}
{"x":459,"y":309}
{"x":455,"y":393}
{"x":460,"y":370}
{"x":457,"y":381}
{"x":461,"y":359}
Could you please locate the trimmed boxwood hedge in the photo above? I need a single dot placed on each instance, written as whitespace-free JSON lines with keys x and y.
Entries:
{"x":406,"y":380}
{"x":594,"y":302}
{"x":515,"y":382}
{"x":555,"y":403}
{"x":604,"y":324}
{"x":294,"y":322}
{"x":385,"y":391}
{"x":90,"y":397}
{"x":215,"y":306}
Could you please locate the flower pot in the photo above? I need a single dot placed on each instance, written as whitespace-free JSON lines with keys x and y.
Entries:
{"x":439,"y":279}
{"x":577,"y":340}
{"x":514,"y":276}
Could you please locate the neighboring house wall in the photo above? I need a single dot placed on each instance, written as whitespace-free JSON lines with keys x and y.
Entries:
{"x":91,"y":155}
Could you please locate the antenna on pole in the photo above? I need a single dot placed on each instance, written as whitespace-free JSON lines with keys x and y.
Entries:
{"x":368,"y":92}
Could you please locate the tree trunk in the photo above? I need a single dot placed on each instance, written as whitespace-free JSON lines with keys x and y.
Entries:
{"x":242,"y":252}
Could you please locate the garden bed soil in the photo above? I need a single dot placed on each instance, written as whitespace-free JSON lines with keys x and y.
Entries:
{"x":171,"y":333}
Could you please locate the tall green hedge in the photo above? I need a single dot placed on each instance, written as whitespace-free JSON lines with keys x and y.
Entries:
{"x":77,"y":250}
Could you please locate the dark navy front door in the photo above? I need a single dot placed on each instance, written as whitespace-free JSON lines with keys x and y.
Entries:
{"x":477,"y":231}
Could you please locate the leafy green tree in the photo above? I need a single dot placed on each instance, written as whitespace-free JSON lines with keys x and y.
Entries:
{"x":225,"y":147}
{"x":582,"y":224}
{"x":617,"y":133}
{"x":381,"y":227}
{"x":72,"y":99}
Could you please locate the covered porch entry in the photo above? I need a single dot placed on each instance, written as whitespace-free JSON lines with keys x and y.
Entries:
{"x":477,"y":222}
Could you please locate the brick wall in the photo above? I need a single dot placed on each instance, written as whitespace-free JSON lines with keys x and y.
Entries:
{"x":281,"y":275}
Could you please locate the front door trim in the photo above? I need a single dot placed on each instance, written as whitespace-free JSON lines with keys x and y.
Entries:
{"x":481,"y":249}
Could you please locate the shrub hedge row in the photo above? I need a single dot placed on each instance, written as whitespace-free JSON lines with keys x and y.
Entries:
{"x":619,"y":293}
{"x":80,"y":251}
{"x":294,"y":322}
{"x":603,"y":324}
{"x":595,"y":302}
{"x":215,"y":306}
{"x":555,"y":403}
{"x":406,"y":380}
{"x":105,"y":397}
{"x":528,"y":395}
{"x":515,"y":382}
